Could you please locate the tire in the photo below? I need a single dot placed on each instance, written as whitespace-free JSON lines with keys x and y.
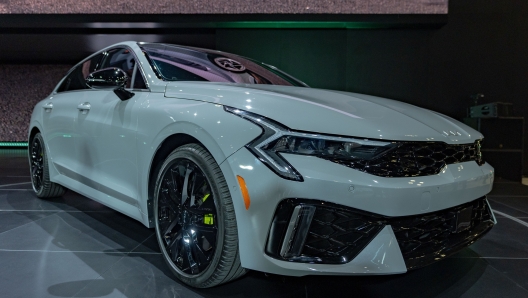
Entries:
{"x":196,"y":229}
{"x":39,"y":167}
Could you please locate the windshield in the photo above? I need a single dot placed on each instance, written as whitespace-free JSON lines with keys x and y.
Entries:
{"x":174,"y":63}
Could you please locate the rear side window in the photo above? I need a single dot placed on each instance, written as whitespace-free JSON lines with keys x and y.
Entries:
{"x":76,"y":78}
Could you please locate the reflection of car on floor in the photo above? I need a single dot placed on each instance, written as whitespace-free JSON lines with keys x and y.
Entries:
{"x":238,"y":165}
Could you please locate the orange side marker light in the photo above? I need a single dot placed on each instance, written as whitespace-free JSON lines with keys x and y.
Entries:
{"x":245,"y":193}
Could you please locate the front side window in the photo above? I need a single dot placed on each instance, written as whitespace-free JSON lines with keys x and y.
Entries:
{"x":173,"y":63}
{"x":124,"y":59}
{"x":76,"y":78}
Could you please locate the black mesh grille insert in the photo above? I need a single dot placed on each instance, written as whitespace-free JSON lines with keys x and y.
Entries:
{"x":431,"y":237}
{"x":337,"y":233}
{"x":417,"y":159}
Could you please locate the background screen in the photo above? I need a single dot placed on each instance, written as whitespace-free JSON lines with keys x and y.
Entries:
{"x":224,"y":7}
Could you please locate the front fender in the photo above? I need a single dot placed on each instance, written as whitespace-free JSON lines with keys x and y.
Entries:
{"x":221,"y":133}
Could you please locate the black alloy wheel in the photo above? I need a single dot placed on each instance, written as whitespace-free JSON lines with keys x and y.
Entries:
{"x":187,"y":217}
{"x":195,"y":220}
{"x":40,"y":176}
{"x":36,"y":157}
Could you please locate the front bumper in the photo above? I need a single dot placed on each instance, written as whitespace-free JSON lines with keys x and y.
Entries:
{"x":336,"y":234}
{"x":386,"y":198}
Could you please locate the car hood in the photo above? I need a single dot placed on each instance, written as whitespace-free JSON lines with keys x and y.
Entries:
{"x":331,"y":112}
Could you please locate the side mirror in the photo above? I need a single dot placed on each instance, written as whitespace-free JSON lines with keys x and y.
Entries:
{"x":108,"y":78}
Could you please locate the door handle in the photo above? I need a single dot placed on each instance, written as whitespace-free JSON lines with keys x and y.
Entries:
{"x":84,"y":107}
{"x":48,"y":106}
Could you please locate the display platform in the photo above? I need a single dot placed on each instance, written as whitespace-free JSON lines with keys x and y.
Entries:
{"x":75,"y":247}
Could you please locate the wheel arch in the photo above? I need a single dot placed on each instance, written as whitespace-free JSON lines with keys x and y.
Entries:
{"x":166,"y":147}
{"x":32,"y":133}
{"x":169,"y":144}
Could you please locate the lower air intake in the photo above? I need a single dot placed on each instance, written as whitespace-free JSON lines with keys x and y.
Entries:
{"x":336,"y":234}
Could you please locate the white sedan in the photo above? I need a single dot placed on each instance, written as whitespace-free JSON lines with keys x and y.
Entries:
{"x":238,"y":165}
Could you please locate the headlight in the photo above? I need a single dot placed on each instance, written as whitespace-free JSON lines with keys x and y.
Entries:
{"x":276,"y":139}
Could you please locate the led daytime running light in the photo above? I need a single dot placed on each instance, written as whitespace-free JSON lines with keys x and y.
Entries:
{"x":266,"y":150}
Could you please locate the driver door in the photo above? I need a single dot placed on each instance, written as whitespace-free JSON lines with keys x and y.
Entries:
{"x":60,"y":116}
{"x":106,"y":130}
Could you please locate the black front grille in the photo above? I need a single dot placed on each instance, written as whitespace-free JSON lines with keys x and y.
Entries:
{"x":337,"y":233}
{"x":413,"y":159}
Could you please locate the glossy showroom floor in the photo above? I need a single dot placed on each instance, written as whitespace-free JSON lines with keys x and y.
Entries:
{"x":75,"y":247}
